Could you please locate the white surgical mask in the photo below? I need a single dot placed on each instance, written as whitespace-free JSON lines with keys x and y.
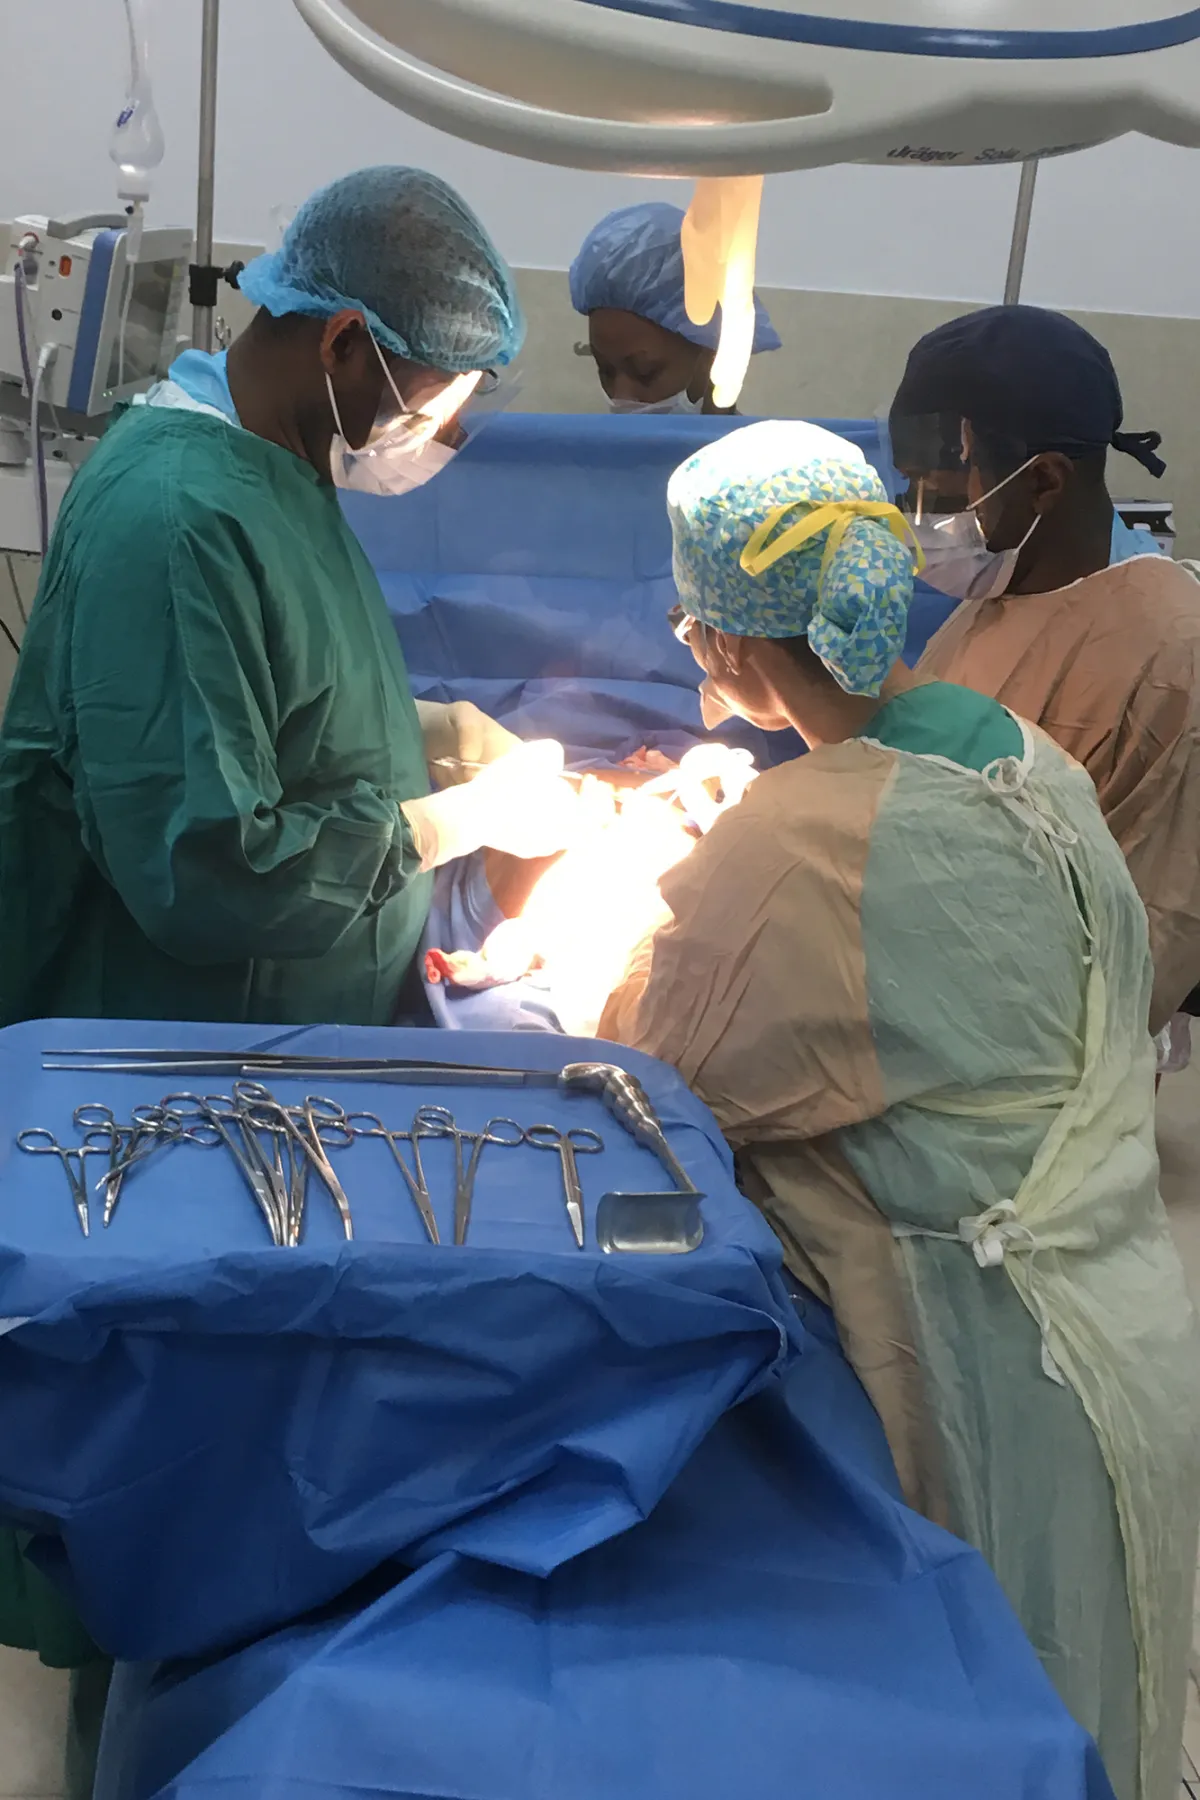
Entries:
{"x":403,"y":454}
{"x":957,"y":559}
{"x":714,"y":710}
{"x":394,"y":468}
{"x":675,"y":403}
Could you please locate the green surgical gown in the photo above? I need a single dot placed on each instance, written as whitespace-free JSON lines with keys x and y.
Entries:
{"x":205,"y":748}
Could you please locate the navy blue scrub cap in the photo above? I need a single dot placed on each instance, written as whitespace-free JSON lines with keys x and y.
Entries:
{"x":1025,"y":374}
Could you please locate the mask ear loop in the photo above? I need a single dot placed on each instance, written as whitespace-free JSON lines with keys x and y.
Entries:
{"x":337,"y":417}
{"x":387,"y":374}
{"x":992,"y":492}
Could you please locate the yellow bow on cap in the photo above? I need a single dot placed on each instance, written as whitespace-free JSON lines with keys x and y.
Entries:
{"x":759,"y":554}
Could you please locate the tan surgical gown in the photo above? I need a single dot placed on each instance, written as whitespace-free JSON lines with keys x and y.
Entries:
{"x":1110,"y":668}
{"x":909,"y":974}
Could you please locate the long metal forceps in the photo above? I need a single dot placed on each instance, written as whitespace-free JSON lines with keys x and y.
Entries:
{"x":374,"y":1127}
{"x":578,"y":1141}
{"x":38,"y":1140}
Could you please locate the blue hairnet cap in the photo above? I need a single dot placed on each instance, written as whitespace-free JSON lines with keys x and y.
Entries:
{"x":632,"y":261}
{"x":1020,"y":374}
{"x":852,"y":603}
{"x":402,"y":248}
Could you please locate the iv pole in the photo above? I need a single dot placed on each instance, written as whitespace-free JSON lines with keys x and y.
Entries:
{"x":204,"y":277}
{"x":1020,"y":236}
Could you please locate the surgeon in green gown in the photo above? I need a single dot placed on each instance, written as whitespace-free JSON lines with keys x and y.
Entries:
{"x":214,"y":790}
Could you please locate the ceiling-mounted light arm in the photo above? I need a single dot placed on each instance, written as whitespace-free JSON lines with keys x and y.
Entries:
{"x":1020,"y":236}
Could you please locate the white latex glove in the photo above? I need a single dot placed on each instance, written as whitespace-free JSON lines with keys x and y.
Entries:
{"x":519,"y":804}
{"x":459,"y":740}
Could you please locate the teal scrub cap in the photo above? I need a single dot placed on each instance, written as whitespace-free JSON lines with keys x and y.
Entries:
{"x":403,"y":249}
{"x":783,"y":530}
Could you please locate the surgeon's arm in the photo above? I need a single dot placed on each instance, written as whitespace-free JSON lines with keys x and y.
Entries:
{"x":177,"y":785}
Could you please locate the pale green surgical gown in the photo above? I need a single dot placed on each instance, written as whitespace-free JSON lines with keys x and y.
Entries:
{"x":205,"y":748}
{"x":910,"y":974}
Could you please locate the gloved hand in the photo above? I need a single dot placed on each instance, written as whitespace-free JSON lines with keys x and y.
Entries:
{"x":458,"y":739}
{"x":519,"y":804}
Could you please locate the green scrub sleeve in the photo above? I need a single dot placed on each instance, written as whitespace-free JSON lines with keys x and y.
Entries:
{"x":177,"y":687}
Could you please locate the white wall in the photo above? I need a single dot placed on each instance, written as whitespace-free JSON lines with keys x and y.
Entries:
{"x":1115,"y":229}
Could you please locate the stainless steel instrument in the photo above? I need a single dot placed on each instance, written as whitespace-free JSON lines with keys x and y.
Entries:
{"x":649,"y":1223}
{"x":577,"y":1141}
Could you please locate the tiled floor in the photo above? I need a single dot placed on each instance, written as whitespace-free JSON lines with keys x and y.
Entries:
{"x":33,"y":1700}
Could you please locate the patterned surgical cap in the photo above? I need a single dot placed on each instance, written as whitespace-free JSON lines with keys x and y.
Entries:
{"x":783,"y":530}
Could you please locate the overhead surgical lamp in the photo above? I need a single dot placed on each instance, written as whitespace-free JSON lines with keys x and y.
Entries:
{"x":719,"y":89}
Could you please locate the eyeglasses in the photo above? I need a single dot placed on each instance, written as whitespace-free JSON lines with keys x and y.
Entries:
{"x":681,"y":624}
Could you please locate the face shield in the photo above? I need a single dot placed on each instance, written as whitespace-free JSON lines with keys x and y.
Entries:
{"x":406,"y":445}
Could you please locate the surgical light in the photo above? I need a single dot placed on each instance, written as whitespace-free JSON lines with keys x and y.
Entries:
{"x":722,"y":89}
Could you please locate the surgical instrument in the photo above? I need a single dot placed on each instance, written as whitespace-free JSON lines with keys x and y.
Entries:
{"x":281,"y":1063}
{"x":464,"y":1187}
{"x":252,"y":1067}
{"x":36,"y":1140}
{"x":577,"y":1141}
{"x":439,"y":1122}
{"x":416,"y":1185}
{"x":650,"y":1223}
{"x":151,"y":1126}
{"x":317,"y":1115}
{"x":96,"y":1119}
{"x":220,"y":1113}
{"x":629,"y":1103}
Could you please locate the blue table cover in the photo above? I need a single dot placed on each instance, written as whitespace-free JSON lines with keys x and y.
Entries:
{"x":213,"y":1435}
{"x":781,"y":1626}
